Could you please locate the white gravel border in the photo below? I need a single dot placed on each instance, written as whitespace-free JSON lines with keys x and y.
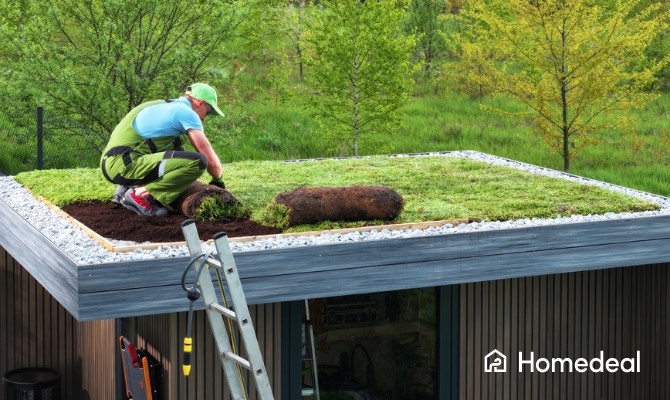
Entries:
{"x":84,"y":250}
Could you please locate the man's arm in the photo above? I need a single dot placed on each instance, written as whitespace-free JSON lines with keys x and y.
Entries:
{"x":202,"y":145}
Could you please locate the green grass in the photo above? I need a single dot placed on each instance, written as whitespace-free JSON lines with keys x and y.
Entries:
{"x":635,"y":156}
{"x":434,"y":188}
{"x":260,"y":133}
{"x":255,"y":132}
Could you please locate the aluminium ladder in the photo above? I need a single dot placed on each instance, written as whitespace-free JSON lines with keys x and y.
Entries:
{"x":216,"y":313}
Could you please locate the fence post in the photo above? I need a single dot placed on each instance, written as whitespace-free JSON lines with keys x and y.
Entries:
{"x":40,"y":137}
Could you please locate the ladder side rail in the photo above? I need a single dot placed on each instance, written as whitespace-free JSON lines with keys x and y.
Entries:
{"x":312,"y":344}
{"x":245,"y":325}
{"x":215,"y":319}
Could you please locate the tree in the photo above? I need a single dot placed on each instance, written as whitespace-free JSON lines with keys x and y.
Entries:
{"x":95,"y":60}
{"x":575,"y":63}
{"x":474,"y":63}
{"x":358,"y":65}
{"x":425,"y":18}
{"x":279,"y":78}
{"x":297,"y":13}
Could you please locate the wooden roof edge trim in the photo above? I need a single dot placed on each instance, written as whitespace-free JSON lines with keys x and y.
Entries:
{"x":90,"y":232}
{"x":246,"y":239}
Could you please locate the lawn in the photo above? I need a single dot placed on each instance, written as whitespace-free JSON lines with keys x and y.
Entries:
{"x":433,"y":187}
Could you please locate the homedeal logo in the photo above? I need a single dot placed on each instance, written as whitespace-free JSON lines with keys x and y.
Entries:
{"x":496,"y":361}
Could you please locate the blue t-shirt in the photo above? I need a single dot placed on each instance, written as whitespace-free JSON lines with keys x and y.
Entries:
{"x":167,"y":119}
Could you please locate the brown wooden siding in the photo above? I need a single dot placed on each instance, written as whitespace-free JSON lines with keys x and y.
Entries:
{"x":36,"y":331}
{"x":163,"y":334}
{"x":572,"y":315}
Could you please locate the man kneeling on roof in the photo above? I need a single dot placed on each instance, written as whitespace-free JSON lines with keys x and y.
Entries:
{"x":144,"y":156}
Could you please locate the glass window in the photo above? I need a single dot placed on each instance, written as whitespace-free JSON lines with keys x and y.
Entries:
{"x":376,"y":346}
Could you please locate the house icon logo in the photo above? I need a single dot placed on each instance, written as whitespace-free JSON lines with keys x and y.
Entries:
{"x":495,"y":361}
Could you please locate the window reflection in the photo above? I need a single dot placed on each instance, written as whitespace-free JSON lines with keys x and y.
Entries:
{"x":376,"y":346}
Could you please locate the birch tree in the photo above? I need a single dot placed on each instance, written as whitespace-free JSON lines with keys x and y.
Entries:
{"x":576,"y":64}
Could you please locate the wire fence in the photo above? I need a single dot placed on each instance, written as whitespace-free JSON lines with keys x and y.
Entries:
{"x":46,"y":140}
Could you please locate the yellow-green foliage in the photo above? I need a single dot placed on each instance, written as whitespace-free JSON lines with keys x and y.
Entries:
{"x":576,"y":64}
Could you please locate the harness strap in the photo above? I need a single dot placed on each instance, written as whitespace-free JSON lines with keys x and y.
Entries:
{"x":155,"y":172}
{"x":123,"y":151}
{"x":177,"y":143}
{"x":152,"y":146}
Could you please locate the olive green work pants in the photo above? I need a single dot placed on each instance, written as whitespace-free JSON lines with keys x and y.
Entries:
{"x":165,"y":175}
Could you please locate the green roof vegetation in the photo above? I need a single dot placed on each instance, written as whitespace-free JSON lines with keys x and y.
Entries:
{"x":433,"y":188}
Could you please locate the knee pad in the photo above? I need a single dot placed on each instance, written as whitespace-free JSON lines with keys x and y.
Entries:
{"x":190,"y":155}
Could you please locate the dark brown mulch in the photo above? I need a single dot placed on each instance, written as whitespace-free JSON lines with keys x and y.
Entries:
{"x":113,"y":221}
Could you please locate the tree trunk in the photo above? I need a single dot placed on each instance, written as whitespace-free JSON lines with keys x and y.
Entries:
{"x":564,"y":104}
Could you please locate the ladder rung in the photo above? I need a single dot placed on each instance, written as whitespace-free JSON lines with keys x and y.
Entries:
{"x":243,"y":362}
{"x":213,"y":262}
{"x":226,"y":312}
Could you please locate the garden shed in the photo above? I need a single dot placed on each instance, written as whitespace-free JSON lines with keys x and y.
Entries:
{"x":411,"y":316}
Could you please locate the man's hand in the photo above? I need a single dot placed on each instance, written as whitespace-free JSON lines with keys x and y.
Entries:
{"x":218,"y":183}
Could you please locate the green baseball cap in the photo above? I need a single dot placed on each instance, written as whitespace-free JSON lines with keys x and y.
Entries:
{"x":203,"y":91}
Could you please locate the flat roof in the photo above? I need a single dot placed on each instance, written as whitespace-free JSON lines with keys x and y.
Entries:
{"x":133,"y":287}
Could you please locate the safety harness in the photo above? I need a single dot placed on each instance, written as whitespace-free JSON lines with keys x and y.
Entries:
{"x":127,"y":152}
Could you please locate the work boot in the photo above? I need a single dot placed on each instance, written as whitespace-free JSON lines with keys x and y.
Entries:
{"x":143,"y":205}
{"x":118,"y":195}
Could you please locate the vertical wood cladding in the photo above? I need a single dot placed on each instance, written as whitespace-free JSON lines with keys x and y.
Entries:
{"x":619,"y":311}
{"x":163,"y":336}
{"x":36,"y":331}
